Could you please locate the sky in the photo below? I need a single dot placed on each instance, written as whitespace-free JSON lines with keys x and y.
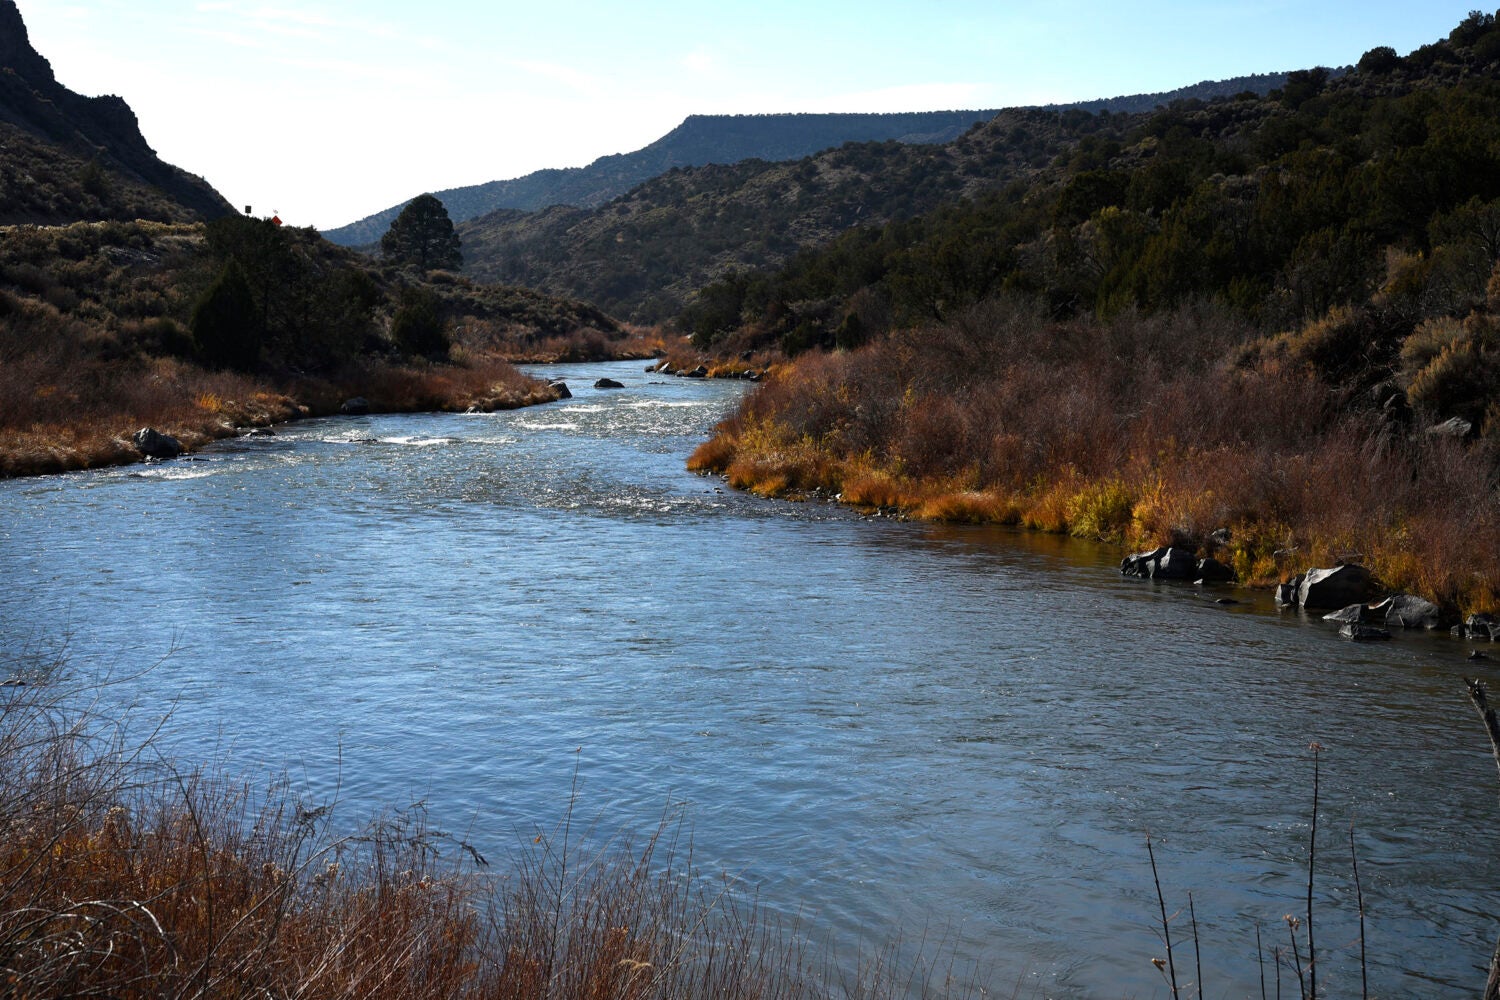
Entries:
{"x":326,"y":111}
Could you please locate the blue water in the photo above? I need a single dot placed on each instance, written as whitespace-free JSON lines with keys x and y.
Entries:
{"x":888,"y":729}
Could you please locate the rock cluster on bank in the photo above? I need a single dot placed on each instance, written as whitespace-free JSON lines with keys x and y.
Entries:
{"x":1349,"y":590}
{"x":1172,"y":563}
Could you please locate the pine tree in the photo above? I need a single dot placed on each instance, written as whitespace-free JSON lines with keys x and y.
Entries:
{"x":423,"y":236}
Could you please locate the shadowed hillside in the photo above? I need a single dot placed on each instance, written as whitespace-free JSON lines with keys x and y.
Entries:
{"x":64,"y":157}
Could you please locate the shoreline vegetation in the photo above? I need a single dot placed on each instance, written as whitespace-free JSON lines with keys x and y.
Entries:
{"x":1262,"y":328}
{"x":203,"y":332}
{"x":1183,"y":428}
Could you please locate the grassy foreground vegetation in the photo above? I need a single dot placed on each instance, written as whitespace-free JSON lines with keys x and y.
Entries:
{"x":124,"y":876}
{"x":202,"y":330}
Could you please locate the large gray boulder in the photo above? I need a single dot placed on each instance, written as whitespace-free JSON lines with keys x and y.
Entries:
{"x":154,"y":444}
{"x":563,"y":392}
{"x":1454,"y":427}
{"x":1331,"y":589}
{"x":1408,"y":611}
{"x":357,"y":406}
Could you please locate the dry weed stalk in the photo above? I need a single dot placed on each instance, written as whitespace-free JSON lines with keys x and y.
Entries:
{"x":124,"y":876}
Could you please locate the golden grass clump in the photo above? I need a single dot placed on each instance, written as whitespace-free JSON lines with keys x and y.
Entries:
{"x":1142,"y":431}
{"x":123,"y":876}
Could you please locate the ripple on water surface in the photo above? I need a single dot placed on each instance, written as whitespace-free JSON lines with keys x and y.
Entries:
{"x":884,"y":727}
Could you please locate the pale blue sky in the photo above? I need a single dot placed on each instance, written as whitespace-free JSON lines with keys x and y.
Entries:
{"x":329,"y":110}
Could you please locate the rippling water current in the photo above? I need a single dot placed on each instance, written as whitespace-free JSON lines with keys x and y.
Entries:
{"x":889,"y":729}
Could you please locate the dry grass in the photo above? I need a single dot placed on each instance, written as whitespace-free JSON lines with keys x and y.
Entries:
{"x":1140,"y":431}
{"x":124,"y":876}
{"x":68,"y":402}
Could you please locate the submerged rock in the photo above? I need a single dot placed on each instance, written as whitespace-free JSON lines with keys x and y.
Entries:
{"x":154,"y":444}
{"x":1355,"y":632}
{"x":608,"y":383}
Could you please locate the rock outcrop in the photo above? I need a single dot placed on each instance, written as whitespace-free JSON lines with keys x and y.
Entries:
{"x":102,"y":130}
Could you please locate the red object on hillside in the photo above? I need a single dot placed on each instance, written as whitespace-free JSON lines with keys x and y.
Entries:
{"x":275,"y":220}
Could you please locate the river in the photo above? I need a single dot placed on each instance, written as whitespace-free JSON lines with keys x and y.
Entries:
{"x":891,"y":729}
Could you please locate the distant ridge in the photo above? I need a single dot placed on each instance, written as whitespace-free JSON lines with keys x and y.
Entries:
{"x":67,"y":158}
{"x":728,"y":139}
{"x":1259,"y":84}
{"x":698,"y":141}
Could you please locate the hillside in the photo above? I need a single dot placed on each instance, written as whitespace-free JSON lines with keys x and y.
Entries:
{"x":1261,"y":329}
{"x":728,"y":139}
{"x":1206,"y":90}
{"x":64,"y":157}
{"x":644,"y":254}
{"x":699,"y":140}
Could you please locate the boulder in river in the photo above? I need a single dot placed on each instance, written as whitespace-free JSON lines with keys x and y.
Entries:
{"x":1356,"y":632}
{"x":1408,"y":611}
{"x":1210,"y":570}
{"x":1485,"y":628}
{"x":356,"y":406}
{"x":608,"y":383}
{"x":563,"y":392}
{"x":1354,"y":614}
{"x":1331,"y":589}
{"x":1165,"y":563}
{"x":154,"y":444}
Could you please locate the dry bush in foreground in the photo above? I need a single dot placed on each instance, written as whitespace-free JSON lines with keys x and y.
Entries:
{"x":123,"y":876}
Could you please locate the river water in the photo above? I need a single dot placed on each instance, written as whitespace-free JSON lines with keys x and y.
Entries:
{"x":892,"y":730}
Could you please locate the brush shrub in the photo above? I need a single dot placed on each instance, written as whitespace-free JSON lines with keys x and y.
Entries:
{"x":225,"y":323}
{"x":417,"y":326}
